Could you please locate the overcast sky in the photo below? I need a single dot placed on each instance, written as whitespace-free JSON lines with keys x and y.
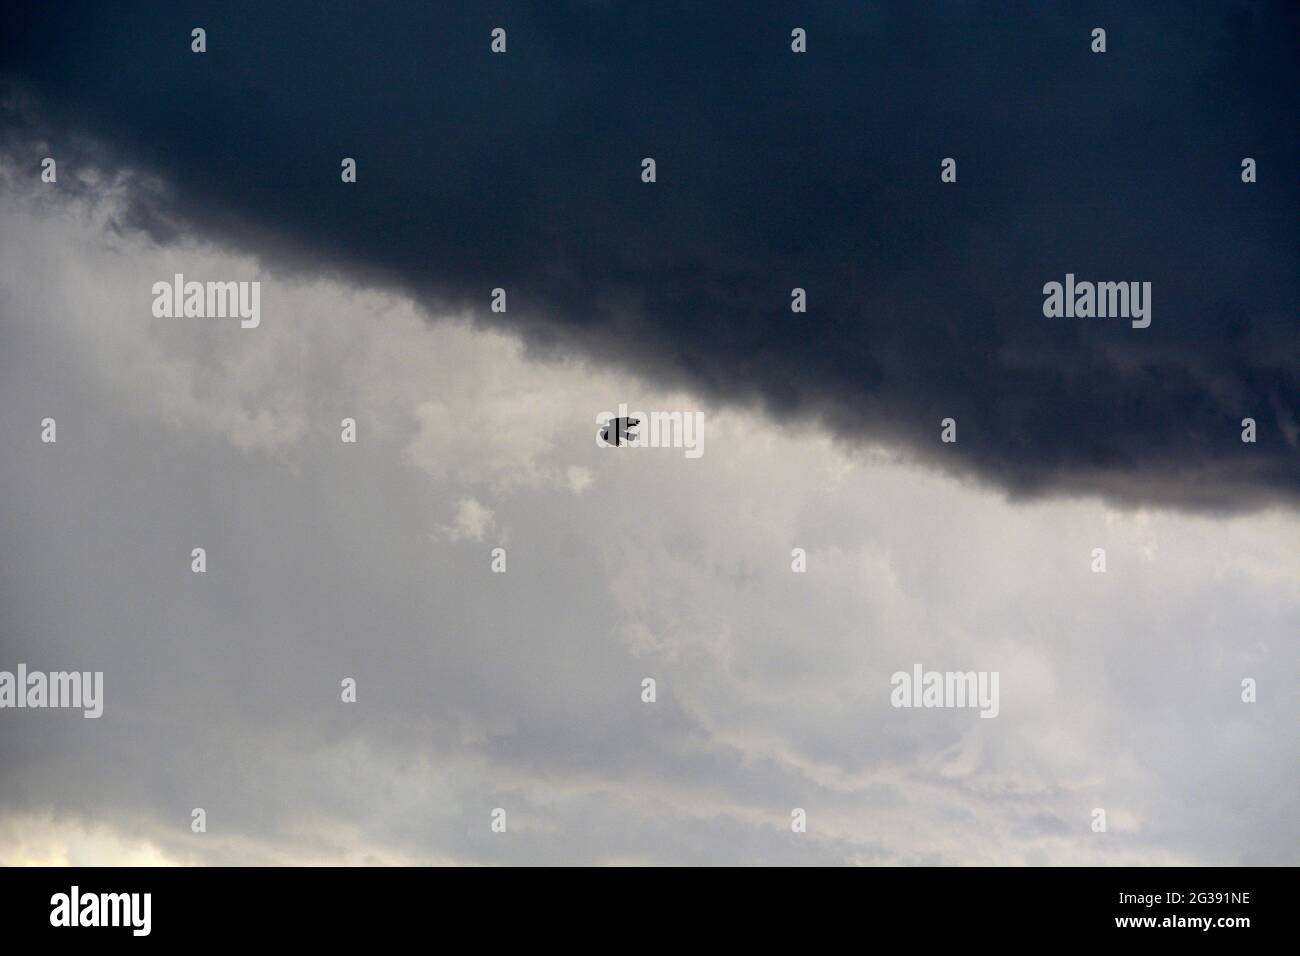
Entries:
{"x":522,"y":690}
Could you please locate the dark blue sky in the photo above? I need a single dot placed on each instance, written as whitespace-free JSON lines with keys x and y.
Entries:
{"x":775,"y":170}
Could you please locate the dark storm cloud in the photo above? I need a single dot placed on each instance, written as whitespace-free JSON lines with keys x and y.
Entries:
{"x":775,"y":170}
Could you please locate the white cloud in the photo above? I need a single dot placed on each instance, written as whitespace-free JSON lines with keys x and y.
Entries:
{"x":472,"y":521}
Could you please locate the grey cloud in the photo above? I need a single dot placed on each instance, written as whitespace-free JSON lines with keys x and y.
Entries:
{"x":775,"y":171}
{"x":522,"y":690}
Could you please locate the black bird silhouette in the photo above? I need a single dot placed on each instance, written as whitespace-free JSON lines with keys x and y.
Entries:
{"x":618,"y":431}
